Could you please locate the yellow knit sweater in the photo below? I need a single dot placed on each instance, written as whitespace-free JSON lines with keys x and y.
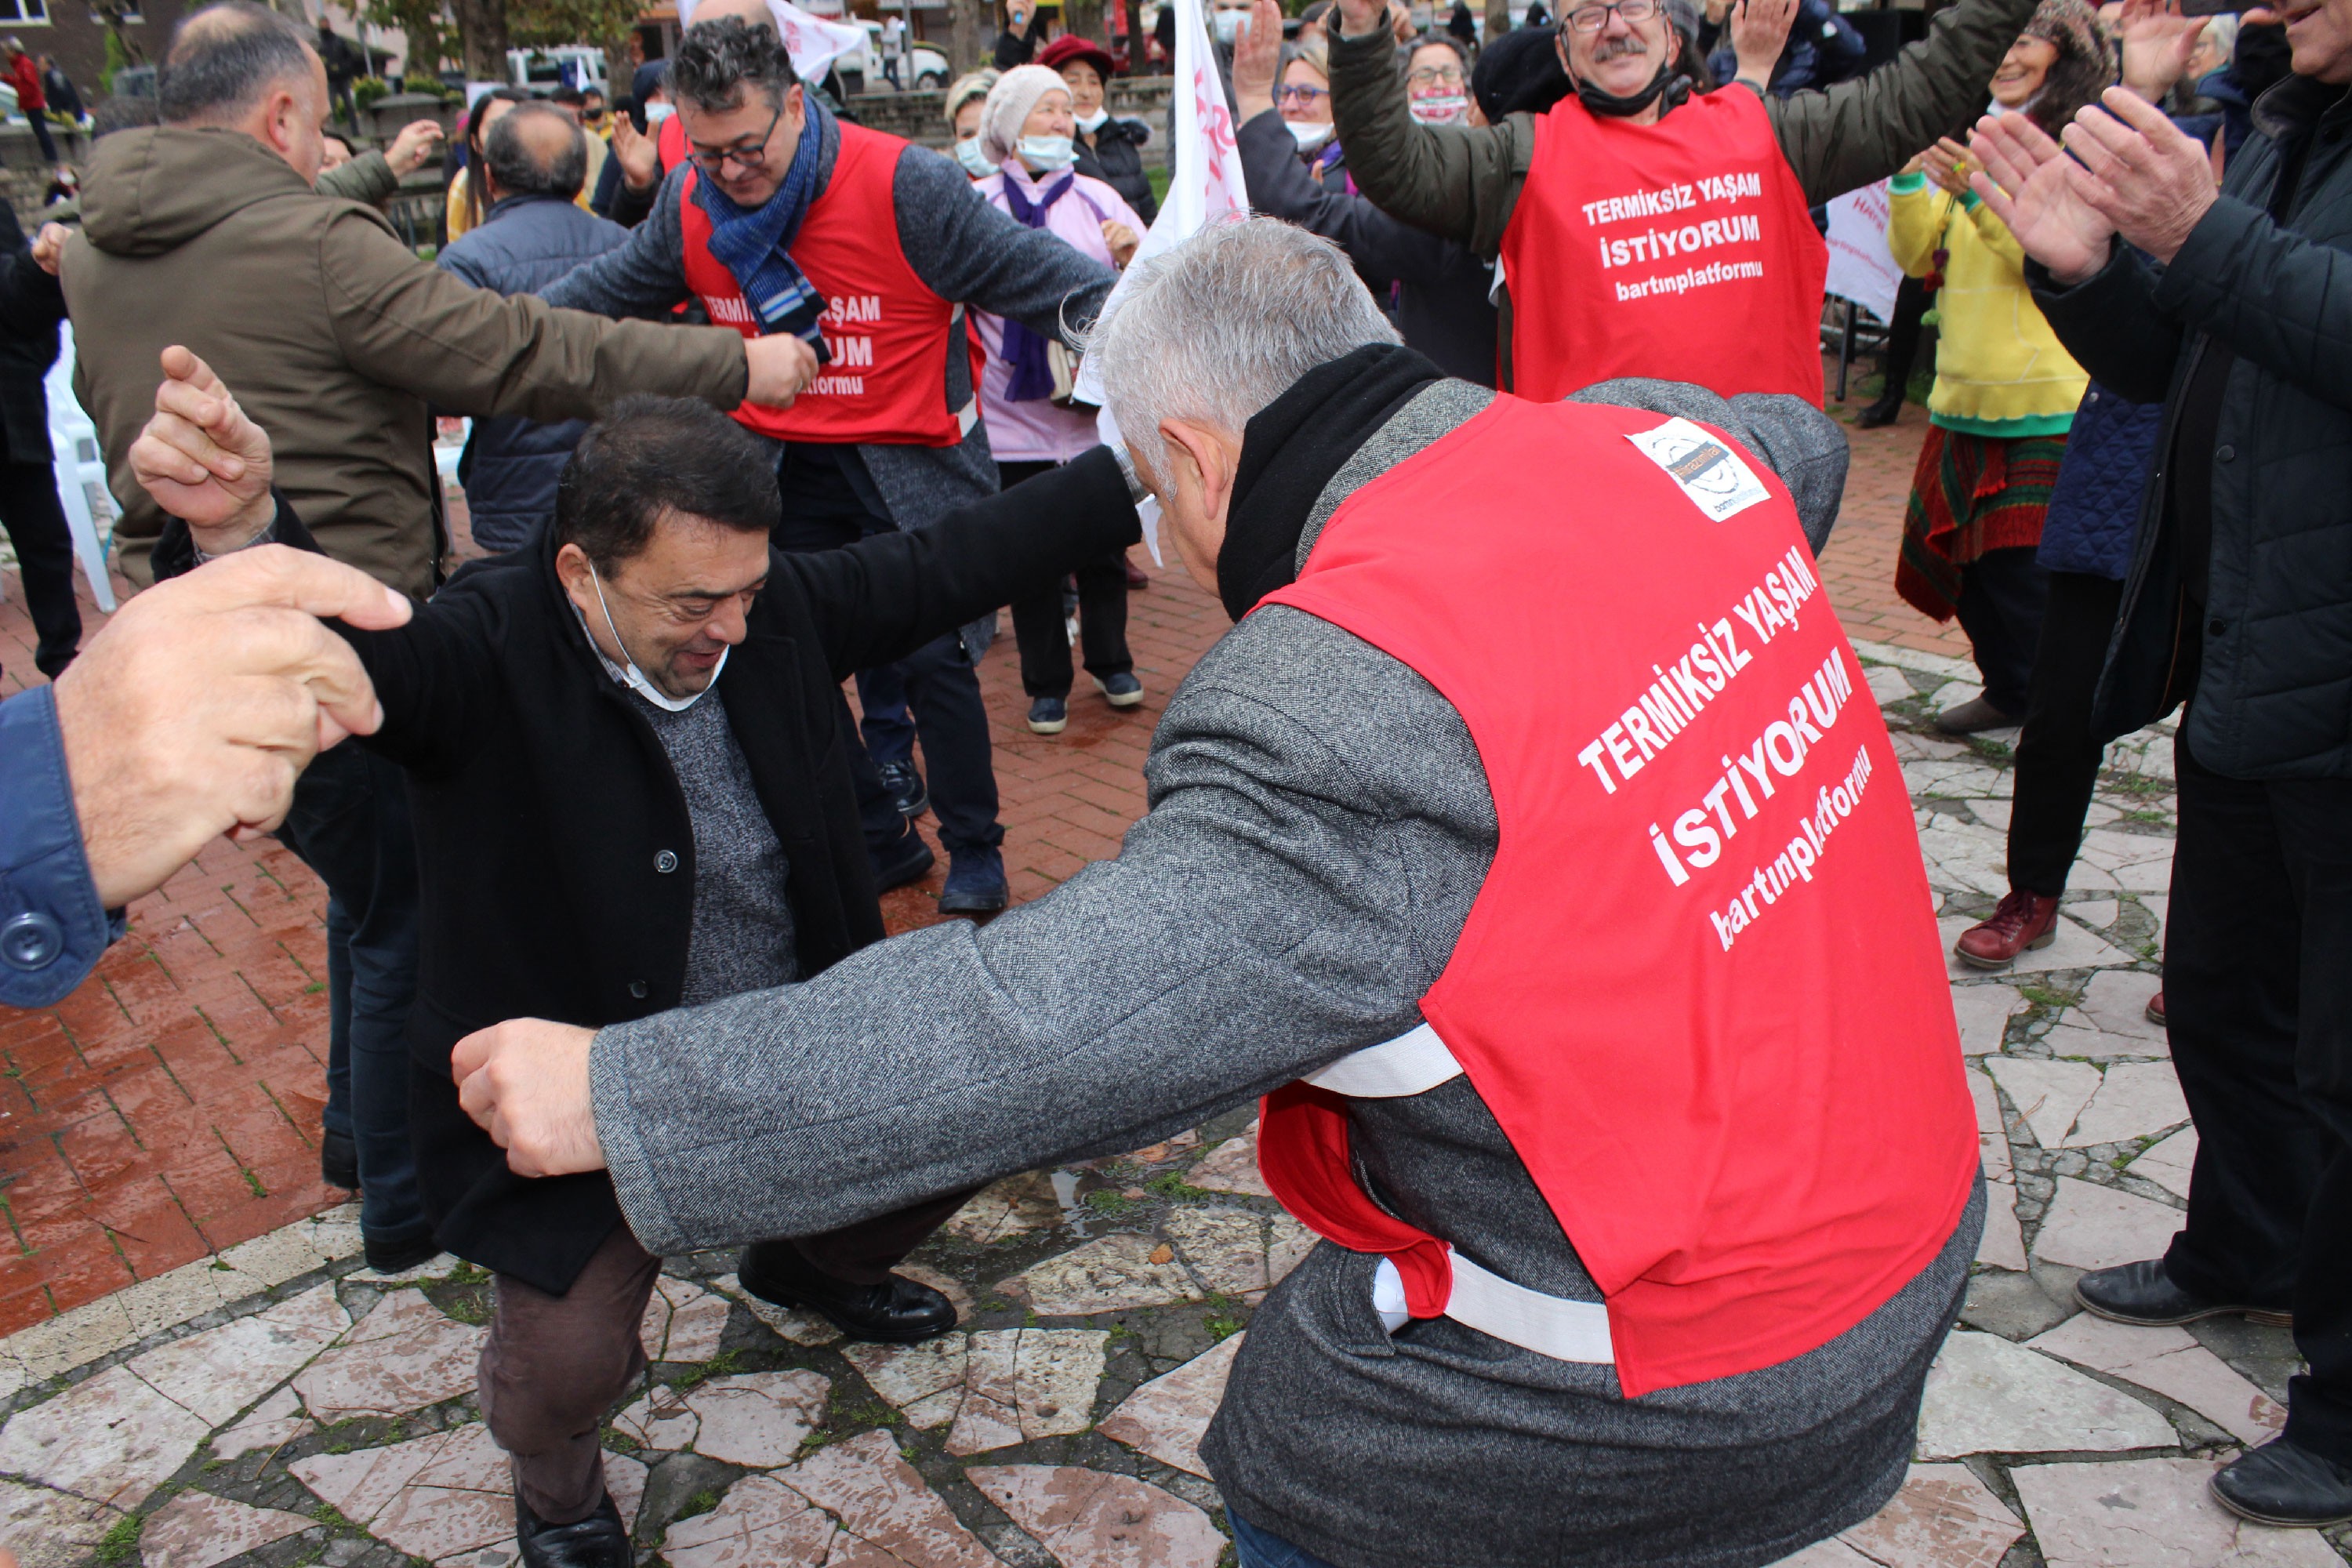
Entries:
{"x":1999,"y":370}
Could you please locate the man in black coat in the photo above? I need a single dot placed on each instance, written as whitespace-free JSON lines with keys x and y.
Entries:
{"x":31,"y":306}
{"x":630,"y":794}
{"x":2229,"y":307}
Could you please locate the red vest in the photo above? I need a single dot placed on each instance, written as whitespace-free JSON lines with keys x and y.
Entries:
{"x":887,"y":331}
{"x":669,"y":141}
{"x":1681,"y":250}
{"x":1701,"y":988}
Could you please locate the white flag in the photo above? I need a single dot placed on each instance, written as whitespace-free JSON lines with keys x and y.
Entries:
{"x":1204,"y":182}
{"x":1861,"y":266}
{"x":812,"y":41}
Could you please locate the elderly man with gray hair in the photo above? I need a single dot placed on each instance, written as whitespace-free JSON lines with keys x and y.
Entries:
{"x":1602,"y":1029}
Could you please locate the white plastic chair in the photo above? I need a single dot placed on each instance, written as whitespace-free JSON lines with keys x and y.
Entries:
{"x":81,"y":472}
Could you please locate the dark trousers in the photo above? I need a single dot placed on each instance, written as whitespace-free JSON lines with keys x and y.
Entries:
{"x":2001,"y":595}
{"x":349,"y":824}
{"x":552,"y":1366}
{"x":884,"y":719}
{"x":1903,"y":335}
{"x":1042,"y":635}
{"x":1256,"y":1548}
{"x":2057,"y":756}
{"x":2258,"y":992}
{"x":45,"y":558}
{"x":40,"y":120}
{"x":824,"y":510}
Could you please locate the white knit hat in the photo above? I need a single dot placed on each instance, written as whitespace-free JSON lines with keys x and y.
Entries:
{"x":1017,"y":92}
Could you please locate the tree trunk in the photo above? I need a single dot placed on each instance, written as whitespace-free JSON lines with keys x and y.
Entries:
{"x":1084,"y":17}
{"x":1138,"y":48}
{"x":482,"y":26}
{"x":1498,"y":19}
{"x":968,"y":20}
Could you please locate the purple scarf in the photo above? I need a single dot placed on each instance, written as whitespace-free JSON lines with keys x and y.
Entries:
{"x":1025,"y":350}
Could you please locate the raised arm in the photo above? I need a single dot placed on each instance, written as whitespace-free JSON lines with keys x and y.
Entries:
{"x":967,"y":251}
{"x":1864,"y":130}
{"x":884,"y":596}
{"x":1272,"y":914}
{"x":1456,"y":181}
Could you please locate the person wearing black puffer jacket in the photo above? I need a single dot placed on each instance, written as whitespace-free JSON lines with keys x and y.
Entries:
{"x":2227,"y":305}
{"x":1435,"y":288}
{"x":535,"y":160}
{"x":1109,"y":146}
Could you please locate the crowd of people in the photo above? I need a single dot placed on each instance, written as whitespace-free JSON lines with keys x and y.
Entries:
{"x":1643,"y":1161}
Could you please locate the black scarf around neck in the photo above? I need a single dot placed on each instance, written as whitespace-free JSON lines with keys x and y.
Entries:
{"x":1290,"y":449}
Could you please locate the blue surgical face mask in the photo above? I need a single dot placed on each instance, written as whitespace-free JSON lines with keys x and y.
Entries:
{"x":1046,"y":154}
{"x":1227,"y":24}
{"x":975,"y":161}
{"x":1311,"y":135}
{"x":1090,"y":123}
{"x":632,"y":676}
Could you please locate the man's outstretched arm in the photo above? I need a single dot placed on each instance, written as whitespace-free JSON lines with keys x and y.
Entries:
{"x":1866,"y":129}
{"x":1320,"y":826}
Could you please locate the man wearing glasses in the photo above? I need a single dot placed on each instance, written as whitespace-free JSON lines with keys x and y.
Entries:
{"x":783,"y":220}
{"x":1636,"y":217}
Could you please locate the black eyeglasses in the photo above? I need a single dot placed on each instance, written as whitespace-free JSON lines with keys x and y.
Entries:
{"x":752,"y":152}
{"x":1592,"y":18}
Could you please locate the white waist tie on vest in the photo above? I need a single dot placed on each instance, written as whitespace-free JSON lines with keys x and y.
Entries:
{"x":1414,"y":1063}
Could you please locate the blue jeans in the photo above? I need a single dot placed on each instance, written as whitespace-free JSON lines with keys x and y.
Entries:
{"x":1255,"y":1549}
{"x":349,"y":824}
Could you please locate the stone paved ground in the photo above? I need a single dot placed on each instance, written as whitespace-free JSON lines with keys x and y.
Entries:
{"x":266,"y":1401}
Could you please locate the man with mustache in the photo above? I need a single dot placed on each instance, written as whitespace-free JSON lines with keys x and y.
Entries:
{"x":630,"y":793}
{"x":1644,"y":229}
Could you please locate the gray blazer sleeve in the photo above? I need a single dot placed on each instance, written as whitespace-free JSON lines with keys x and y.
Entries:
{"x":1319,"y":826}
{"x":968,"y":252}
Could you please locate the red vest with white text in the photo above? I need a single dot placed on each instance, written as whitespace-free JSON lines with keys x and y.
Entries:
{"x":1681,"y":250}
{"x":1701,"y":988}
{"x":887,"y":333}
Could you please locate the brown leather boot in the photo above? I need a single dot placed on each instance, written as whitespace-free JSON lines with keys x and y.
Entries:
{"x":2023,"y":921}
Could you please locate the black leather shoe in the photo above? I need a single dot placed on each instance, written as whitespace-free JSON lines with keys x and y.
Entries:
{"x":1880,"y":414}
{"x":897,"y":1311}
{"x":2281,"y":1483}
{"x":906,"y":787}
{"x":2144,"y":1294}
{"x":338,"y":1161}
{"x":909,"y":861}
{"x":599,"y":1540}
{"x":401,"y":1255}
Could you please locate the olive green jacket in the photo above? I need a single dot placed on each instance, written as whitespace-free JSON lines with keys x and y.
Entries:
{"x":334,"y":337}
{"x":1464,"y":182}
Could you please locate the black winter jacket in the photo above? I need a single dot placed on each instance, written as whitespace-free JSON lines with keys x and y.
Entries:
{"x":1116,"y":158}
{"x":1439,"y":288}
{"x":31,"y":306}
{"x":510,"y":466}
{"x":2272,"y":694}
{"x":554,"y":851}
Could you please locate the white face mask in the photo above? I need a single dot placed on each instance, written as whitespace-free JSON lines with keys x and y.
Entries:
{"x":1047,"y":153}
{"x":1309,"y":134}
{"x":975,"y":161}
{"x":1090,"y":123}
{"x":1227,"y":24}
{"x":1443,"y":108}
{"x":632,"y":676}
{"x":658,"y":112}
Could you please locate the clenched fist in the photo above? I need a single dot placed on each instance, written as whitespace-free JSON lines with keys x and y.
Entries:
{"x":780,"y":368}
{"x":525,"y":1082}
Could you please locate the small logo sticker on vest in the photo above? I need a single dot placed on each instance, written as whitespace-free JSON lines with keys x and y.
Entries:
{"x":1718,"y":482}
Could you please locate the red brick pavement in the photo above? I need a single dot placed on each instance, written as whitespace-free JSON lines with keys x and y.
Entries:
{"x":170,"y":1107}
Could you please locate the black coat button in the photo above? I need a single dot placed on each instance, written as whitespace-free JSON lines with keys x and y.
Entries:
{"x":665,"y":862}
{"x":31,"y":940}
{"x":2224,"y":454}
{"x":2217,"y":627}
{"x":637,"y":989}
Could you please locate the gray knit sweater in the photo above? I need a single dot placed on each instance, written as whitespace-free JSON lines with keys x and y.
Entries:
{"x":1319,"y":827}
